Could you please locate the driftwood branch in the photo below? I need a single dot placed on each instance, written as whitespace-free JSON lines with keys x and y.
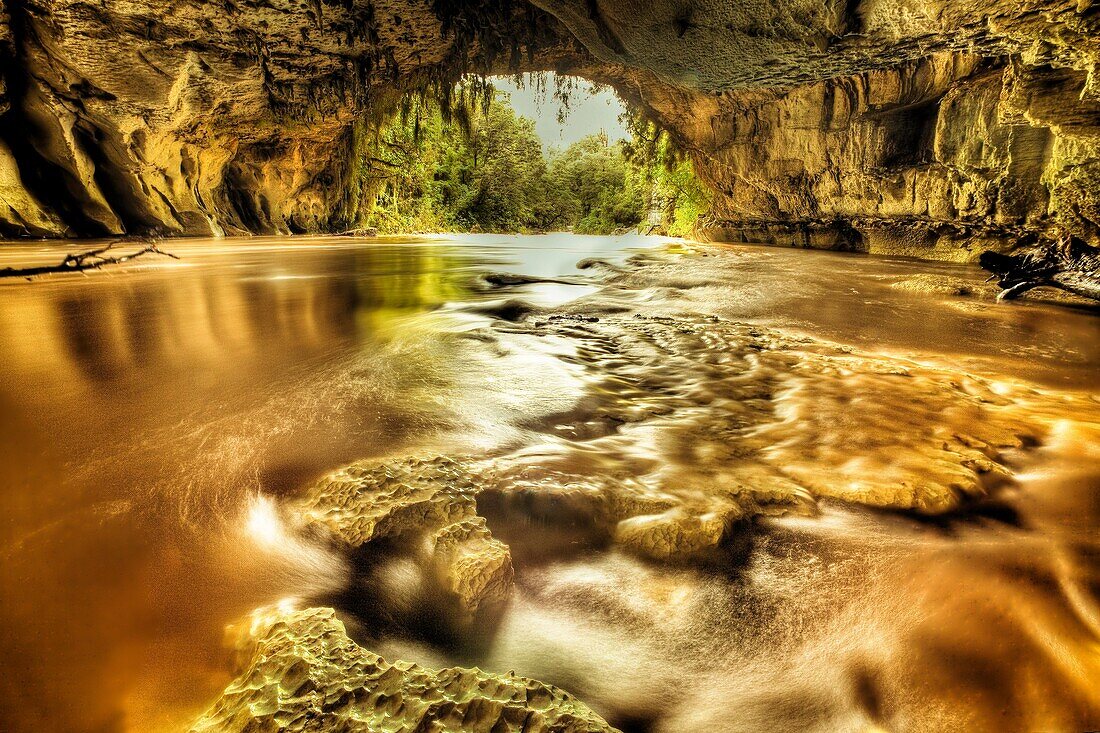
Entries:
{"x":92,"y":259}
{"x":1068,"y":264}
{"x":365,"y":232}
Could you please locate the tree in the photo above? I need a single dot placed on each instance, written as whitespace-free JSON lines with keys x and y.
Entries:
{"x":673,"y":188}
{"x":472,"y":164}
{"x":599,"y":193}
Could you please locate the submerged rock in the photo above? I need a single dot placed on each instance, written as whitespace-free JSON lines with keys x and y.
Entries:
{"x":706,"y":410}
{"x":300,"y":671}
{"x":361,"y":232}
{"x":676,"y":533}
{"x":928,"y":284}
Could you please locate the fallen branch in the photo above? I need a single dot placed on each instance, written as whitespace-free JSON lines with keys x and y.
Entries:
{"x":1068,"y":264}
{"x":93,"y":259}
{"x":367,"y":232}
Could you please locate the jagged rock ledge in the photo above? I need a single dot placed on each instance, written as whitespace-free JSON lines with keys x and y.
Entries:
{"x":429,"y":506}
{"x":299,"y":671}
{"x":917,"y":236}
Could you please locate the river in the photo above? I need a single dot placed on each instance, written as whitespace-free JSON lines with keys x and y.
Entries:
{"x":907,"y":476}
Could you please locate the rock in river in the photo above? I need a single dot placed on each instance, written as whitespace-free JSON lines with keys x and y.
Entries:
{"x":300,"y":671}
{"x":428,"y":505}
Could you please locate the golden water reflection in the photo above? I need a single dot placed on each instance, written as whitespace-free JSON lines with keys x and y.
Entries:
{"x":144,"y":411}
{"x":154,"y":418}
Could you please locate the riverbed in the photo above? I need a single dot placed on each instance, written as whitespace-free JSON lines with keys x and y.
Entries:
{"x":873,"y":491}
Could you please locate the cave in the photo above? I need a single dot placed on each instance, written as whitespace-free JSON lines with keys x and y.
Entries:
{"x":337,"y":397}
{"x":795,"y":119}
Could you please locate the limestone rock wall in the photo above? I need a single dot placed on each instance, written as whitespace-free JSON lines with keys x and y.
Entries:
{"x":208,"y":118}
{"x":917,"y":126}
{"x":126,"y":117}
{"x":941,"y":158}
{"x":922,"y":128}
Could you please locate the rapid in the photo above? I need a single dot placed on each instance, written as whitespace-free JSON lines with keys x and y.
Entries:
{"x":743,"y":488}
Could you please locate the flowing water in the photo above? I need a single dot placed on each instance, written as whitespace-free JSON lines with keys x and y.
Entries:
{"x":904,"y":480}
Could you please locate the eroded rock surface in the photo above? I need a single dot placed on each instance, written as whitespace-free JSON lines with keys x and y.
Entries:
{"x":676,"y":533}
{"x":941,"y":157}
{"x":471,"y":564}
{"x":300,"y":671}
{"x":691,"y":426}
{"x":906,"y":126}
{"x":375,"y":499}
{"x":429,"y":505}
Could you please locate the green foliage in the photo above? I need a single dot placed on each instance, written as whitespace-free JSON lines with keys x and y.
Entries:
{"x":596,"y":189}
{"x":469,"y":163}
{"x":676,"y":194}
{"x":685,"y":198}
{"x":465,"y":165}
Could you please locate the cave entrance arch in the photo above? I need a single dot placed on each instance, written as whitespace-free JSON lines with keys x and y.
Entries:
{"x":520,"y":153}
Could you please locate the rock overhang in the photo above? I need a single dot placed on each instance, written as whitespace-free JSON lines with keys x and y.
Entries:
{"x":936,"y":129}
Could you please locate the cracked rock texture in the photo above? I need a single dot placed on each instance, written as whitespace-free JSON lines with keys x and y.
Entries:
{"x":920,"y":127}
{"x":471,"y":564}
{"x":428,"y":502}
{"x":374,"y":499}
{"x":300,"y":671}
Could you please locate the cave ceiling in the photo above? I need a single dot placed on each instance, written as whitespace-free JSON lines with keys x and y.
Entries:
{"x":892,"y":125}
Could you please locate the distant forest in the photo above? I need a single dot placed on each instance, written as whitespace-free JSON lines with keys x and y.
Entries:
{"x":473,"y":165}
